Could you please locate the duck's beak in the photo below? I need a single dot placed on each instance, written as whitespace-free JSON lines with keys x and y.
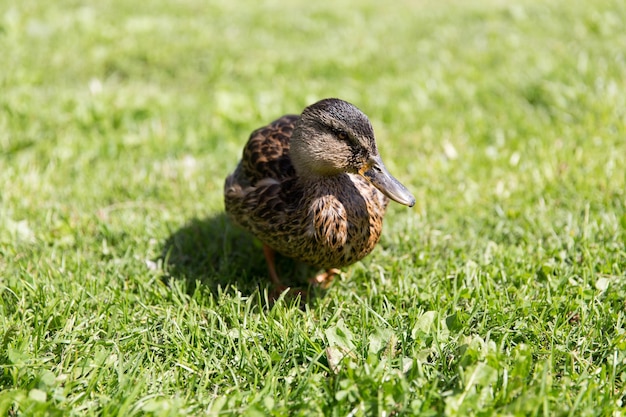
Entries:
{"x":380,"y":178}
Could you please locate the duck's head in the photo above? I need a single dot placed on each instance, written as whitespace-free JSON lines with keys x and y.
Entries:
{"x":333,"y":137}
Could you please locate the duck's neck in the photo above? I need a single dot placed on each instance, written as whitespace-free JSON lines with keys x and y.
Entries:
{"x":318,"y":185}
{"x":308,"y":177}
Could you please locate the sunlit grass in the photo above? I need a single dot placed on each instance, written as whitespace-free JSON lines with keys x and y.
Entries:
{"x":125,"y":291}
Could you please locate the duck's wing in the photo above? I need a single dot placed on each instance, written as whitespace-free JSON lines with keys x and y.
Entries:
{"x":262,"y":190}
{"x":266,"y":155}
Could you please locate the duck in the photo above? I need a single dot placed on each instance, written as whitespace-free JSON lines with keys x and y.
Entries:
{"x":313,"y":187}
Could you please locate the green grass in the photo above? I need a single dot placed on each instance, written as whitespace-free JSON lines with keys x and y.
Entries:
{"x":124,"y":291}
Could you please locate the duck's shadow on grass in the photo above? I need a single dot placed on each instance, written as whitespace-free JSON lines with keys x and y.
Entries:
{"x":215,"y":253}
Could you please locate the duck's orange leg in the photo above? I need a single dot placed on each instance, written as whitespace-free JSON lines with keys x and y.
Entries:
{"x":279,"y":287}
{"x":271,"y":265}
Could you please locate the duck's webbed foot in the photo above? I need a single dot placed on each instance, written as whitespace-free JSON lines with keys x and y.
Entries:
{"x":325,"y":278}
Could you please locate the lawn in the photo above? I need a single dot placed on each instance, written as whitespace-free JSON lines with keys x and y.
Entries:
{"x":124,"y":290}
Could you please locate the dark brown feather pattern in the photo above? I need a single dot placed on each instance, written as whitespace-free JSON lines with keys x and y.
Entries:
{"x":327,"y":221}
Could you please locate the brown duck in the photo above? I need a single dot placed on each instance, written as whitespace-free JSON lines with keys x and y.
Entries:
{"x":314,"y":188}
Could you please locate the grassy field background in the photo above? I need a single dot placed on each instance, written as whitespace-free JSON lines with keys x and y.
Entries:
{"x":124,"y":291}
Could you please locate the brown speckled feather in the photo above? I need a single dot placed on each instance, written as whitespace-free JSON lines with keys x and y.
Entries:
{"x":327,"y":222}
{"x":327,"y":225}
{"x":266,"y":154}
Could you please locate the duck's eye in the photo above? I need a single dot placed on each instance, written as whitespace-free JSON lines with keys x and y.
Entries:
{"x":342,"y":135}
